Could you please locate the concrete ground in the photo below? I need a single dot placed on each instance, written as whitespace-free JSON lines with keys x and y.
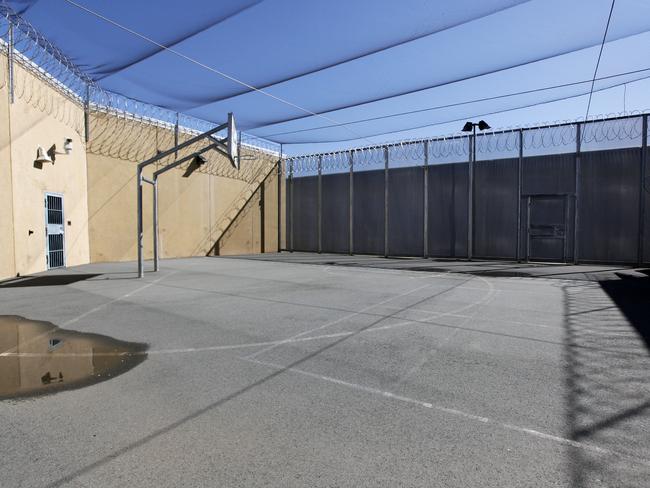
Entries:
{"x":356,"y":372}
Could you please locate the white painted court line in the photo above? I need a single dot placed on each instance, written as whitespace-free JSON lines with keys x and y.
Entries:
{"x":487,"y":296}
{"x":452,"y":411}
{"x":12,"y":351}
{"x":339,"y":320}
{"x":434,"y":314}
{"x":126,"y":295}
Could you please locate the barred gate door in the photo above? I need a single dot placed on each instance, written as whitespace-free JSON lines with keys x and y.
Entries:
{"x":54,"y":231}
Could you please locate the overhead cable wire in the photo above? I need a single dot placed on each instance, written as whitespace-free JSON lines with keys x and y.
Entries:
{"x":422,"y":89}
{"x":371,"y":52}
{"x":205,"y":66}
{"x":600,"y":54}
{"x":306,"y":112}
{"x":474,"y":116}
{"x":465,"y":102}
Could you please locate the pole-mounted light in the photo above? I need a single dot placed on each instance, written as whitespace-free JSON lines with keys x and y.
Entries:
{"x":471,"y":127}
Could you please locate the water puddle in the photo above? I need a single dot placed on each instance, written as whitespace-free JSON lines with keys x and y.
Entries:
{"x":38,"y":358}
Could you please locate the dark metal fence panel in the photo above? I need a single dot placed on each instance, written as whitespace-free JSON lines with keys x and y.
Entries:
{"x":645,"y":184}
{"x":610,"y":184}
{"x":369,"y":212}
{"x":551,"y":174}
{"x":609,"y":205}
{"x":495,"y":209}
{"x":448,"y":210}
{"x":305,"y":213}
{"x":335,"y":212}
{"x":405,"y":211}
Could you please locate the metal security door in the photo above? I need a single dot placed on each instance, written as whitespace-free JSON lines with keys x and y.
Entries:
{"x":54,"y":231}
{"x":547,"y":228}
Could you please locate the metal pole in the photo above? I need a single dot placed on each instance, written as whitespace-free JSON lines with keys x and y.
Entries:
{"x":351,"y":205}
{"x":520,"y":162}
{"x":155,"y":224}
{"x":319,"y":205}
{"x":139,"y":240}
{"x":87,"y":114}
{"x":262,"y":205}
{"x":642,"y":199}
{"x":576,"y":200}
{"x":280,"y":201}
{"x":152,"y":160}
{"x":10,"y":63}
{"x":176,"y":126}
{"x":528,"y":229}
{"x":425,"y":210}
{"x":291,"y":205}
{"x":386,"y":202}
{"x":470,"y":197}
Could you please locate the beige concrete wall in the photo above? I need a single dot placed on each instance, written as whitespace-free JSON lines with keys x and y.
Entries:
{"x":214,"y":210}
{"x":42,"y":116}
{"x":255,"y":227}
{"x":197,"y":206}
{"x":7,"y":264}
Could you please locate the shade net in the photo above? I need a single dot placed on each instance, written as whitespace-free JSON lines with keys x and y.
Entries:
{"x":367,"y":68}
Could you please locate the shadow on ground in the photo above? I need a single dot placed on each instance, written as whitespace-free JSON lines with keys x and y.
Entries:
{"x":47,"y":280}
{"x":607,"y":361}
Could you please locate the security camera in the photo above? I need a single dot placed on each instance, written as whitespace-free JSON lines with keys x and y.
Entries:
{"x":67,"y":145}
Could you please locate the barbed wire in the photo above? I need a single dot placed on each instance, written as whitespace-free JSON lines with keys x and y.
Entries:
{"x":623,"y":129}
{"x":132,"y":130}
{"x":46,"y":62}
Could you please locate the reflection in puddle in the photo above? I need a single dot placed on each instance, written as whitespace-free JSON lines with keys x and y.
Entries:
{"x":38,"y":358}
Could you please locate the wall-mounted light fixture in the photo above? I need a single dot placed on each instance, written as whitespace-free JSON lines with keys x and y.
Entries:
{"x":67,"y":145}
{"x":42,"y":156}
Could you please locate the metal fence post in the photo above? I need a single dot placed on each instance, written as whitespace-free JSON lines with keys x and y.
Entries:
{"x":291,"y":205}
{"x":520,"y":162}
{"x":470,"y":196}
{"x":10,"y":63}
{"x":176,"y":130}
{"x":351,"y":205}
{"x":139,"y":239}
{"x":87,"y":114}
{"x":319,"y":205}
{"x":280,"y":201}
{"x":576,"y":200}
{"x":425,"y":203}
{"x":642,"y":199}
{"x":155,"y":224}
{"x":386,"y":201}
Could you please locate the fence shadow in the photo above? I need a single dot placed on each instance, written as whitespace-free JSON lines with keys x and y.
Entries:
{"x":607,"y":364}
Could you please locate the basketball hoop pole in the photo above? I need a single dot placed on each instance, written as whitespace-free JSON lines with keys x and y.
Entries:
{"x":220,"y":145}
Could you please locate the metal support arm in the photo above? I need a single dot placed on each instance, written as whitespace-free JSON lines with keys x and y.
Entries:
{"x":140,"y":179}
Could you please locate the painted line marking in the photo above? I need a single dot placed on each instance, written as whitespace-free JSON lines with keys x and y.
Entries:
{"x":339,"y":320}
{"x":12,"y":351}
{"x":451,"y":411}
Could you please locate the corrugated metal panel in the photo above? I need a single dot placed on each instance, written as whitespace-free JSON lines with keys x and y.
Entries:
{"x":609,"y":205}
{"x":335,"y":214}
{"x":553,"y":174}
{"x":608,"y":219}
{"x":369,"y":212}
{"x":495,"y":209}
{"x":406,"y":211}
{"x":448,"y":210}
{"x":646,"y":213}
{"x":305,"y":224}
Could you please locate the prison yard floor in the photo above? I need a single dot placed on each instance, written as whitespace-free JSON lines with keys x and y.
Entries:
{"x":299,"y":369}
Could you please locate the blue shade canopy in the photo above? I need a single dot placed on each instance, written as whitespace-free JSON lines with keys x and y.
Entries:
{"x":368,"y":67}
